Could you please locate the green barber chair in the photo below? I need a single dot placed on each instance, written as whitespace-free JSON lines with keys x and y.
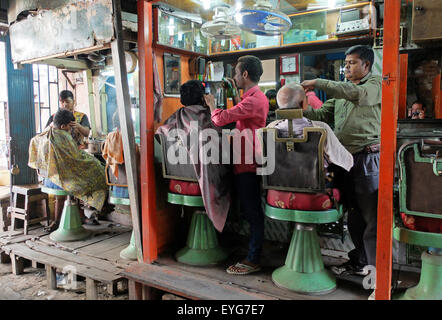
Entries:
{"x":420,"y":182}
{"x":119,"y":195}
{"x":202,"y":247}
{"x":70,"y":228}
{"x":299,"y":173}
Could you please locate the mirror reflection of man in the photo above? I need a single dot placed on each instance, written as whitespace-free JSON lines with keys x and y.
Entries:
{"x":355,"y":111}
{"x":417,"y":111}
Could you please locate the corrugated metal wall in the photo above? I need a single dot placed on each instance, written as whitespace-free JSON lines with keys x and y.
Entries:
{"x":21,"y":117}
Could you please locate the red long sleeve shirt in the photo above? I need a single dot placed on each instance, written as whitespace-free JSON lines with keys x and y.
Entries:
{"x":250,"y":113}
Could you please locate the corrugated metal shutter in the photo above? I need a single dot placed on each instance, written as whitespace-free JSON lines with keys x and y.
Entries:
{"x":21,"y":117}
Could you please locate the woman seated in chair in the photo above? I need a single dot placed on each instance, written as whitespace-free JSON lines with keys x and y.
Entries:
{"x":55,"y":154}
{"x":213,"y":178}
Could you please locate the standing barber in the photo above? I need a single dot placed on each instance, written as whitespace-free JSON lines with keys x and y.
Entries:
{"x":81,"y":127}
{"x":249,"y":113}
{"x":355,"y":111}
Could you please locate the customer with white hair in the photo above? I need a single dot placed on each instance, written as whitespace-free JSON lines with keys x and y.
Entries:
{"x":292,"y":96}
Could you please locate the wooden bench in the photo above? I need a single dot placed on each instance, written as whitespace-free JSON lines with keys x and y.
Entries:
{"x":94,"y":270}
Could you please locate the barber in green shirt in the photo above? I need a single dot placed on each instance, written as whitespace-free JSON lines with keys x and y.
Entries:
{"x":355,"y":113}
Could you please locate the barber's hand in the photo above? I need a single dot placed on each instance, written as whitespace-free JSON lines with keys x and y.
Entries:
{"x":210,"y":101}
{"x":232,"y":82}
{"x":308,"y":84}
{"x":74,"y":124}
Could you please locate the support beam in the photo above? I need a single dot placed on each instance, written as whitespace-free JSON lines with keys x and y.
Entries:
{"x":17,"y":264}
{"x":103,"y":99}
{"x":135,"y":290}
{"x":91,"y":289}
{"x":90,"y":89}
{"x":66,"y":63}
{"x":390,"y":101}
{"x":147,"y":170}
{"x":127,"y":128}
{"x":51,"y":277}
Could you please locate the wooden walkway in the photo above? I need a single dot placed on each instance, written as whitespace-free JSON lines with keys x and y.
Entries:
{"x":96,"y":258}
{"x":150,"y":281}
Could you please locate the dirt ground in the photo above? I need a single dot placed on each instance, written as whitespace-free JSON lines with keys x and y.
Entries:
{"x":31,"y":285}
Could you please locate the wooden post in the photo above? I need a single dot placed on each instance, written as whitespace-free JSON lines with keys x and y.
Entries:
{"x":91,"y":289}
{"x":127,"y":128}
{"x":147,"y":171}
{"x":17,"y":264}
{"x":91,"y":102}
{"x":51,"y":277}
{"x":135,"y":290}
{"x":4,"y":257}
{"x":390,"y":100}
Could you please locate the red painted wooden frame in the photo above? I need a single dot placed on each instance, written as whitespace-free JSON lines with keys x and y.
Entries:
{"x":147,"y":172}
{"x":389,"y":115}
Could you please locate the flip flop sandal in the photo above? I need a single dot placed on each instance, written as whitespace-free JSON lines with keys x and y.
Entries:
{"x":247,"y":269}
{"x":91,"y":222}
{"x":50,"y":228}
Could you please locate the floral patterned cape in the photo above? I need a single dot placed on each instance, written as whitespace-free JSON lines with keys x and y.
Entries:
{"x":55,"y":153}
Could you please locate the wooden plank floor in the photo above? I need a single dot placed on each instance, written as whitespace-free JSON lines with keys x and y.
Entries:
{"x":167,"y":273}
{"x":96,"y":258}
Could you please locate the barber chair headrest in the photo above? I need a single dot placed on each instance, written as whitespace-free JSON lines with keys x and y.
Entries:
{"x":288,"y":114}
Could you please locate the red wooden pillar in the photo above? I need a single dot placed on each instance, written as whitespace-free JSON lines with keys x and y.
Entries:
{"x":390,"y":100}
{"x":403,"y":86}
{"x":148,"y":193}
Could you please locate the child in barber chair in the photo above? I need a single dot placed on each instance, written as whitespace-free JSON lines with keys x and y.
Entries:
{"x":56,"y":156}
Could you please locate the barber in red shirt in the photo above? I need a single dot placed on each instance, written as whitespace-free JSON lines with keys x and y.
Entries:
{"x":249,"y":113}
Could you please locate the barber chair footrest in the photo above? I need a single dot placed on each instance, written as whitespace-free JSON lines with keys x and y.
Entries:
{"x":202,"y":244}
{"x":430,"y":283}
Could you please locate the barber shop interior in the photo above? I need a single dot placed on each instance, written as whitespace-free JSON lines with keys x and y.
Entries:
{"x":220,"y":150}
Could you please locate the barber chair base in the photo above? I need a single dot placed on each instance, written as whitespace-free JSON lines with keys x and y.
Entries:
{"x":70,"y":228}
{"x":430,"y":283}
{"x":304,"y":270}
{"x":130,"y":252}
{"x":202,"y":244}
{"x":318,"y":283}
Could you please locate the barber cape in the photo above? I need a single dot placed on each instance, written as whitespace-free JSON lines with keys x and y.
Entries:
{"x":334,"y":151}
{"x":213,"y":179}
{"x":55,"y":153}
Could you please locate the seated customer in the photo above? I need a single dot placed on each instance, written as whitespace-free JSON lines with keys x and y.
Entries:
{"x":80,"y":126}
{"x":212,"y":177}
{"x":55,"y":154}
{"x":292,"y":96}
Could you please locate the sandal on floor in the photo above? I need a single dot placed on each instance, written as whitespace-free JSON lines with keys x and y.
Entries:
{"x":50,"y":228}
{"x":91,"y":222}
{"x":241,"y":269}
